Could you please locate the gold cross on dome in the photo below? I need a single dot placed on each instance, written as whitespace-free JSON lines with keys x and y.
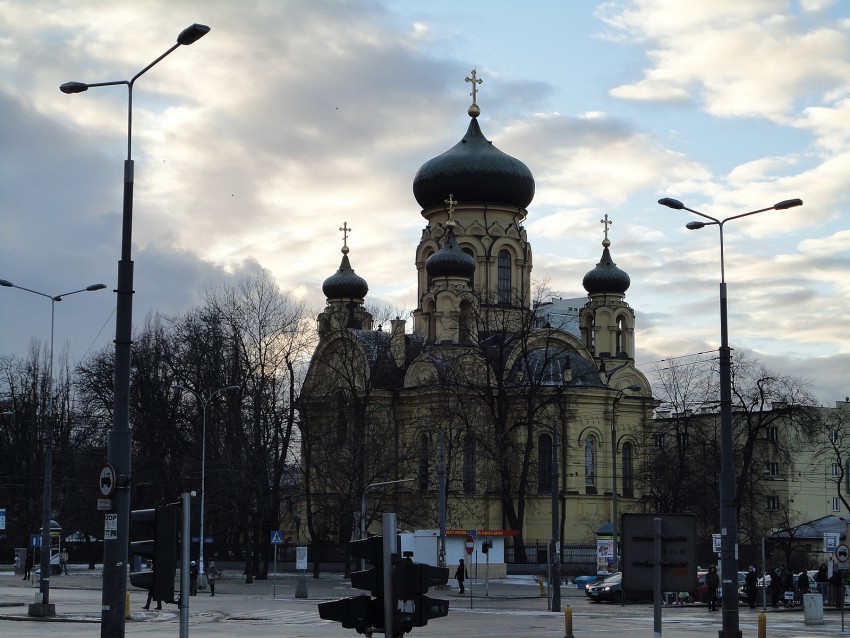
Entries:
{"x":474,"y":81}
{"x":345,"y":228}
{"x":450,"y":202}
{"x":607,"y":223}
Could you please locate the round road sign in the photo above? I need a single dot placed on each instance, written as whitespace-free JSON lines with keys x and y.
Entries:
{"x":470,"y":545}
{"x":106,"y":482}
{"x":842,"y":553}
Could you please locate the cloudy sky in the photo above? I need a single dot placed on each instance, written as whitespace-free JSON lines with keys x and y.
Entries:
{"x":290,"y":117}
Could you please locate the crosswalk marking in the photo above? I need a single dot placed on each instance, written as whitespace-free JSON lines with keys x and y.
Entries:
{"x":280,"y":616}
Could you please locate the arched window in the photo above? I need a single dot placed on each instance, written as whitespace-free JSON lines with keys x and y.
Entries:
{"x":590,"y":334}
{"x":504,"y":272}
{"x":467,"y":322}
{"x":469,"y":464}
{"x":628,"y":470}
{"x":423,"y":462}
{"x":590,"y":465}
{"x":544,"y":464}
{"x":619,"y":345}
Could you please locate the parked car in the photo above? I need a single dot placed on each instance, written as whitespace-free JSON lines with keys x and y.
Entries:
{"x":609,"y":590}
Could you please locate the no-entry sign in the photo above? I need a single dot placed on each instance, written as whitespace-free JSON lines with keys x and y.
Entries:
{"x":470,"y":545}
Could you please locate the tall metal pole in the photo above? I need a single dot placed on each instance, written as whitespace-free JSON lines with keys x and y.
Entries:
{"x":186,"y":504}
{"x":615,"y":514}
{"x":441,"y":477}
{"x":43,"y":607}
{"x":202,"y":579}
{"x":555,"y":548}
{"x":363,"y":505}
{"x":728,"y":489}
{"x":120,"y":443}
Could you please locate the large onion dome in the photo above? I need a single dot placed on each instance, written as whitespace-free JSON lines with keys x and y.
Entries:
{"x":474,"y":171}
{"x":345,"y":283}
{"x":606,"y":277}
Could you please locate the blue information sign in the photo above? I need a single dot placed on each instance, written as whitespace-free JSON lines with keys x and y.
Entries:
{"x":277,"y":538}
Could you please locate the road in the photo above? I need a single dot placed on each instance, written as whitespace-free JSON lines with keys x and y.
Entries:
{"x":267,"y":609}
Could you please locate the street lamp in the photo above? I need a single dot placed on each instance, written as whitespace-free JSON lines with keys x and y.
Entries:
{"x":363,"y":504}
{"x":728,"y":513}
{"x":614,"y":512}
{"x":44,"y":608}
{"x":202,"y":579}
{"x":119,"y":447}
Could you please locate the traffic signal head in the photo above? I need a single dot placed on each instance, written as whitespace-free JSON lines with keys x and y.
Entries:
{"x":356,"y":612}
{"x":161,"y":549}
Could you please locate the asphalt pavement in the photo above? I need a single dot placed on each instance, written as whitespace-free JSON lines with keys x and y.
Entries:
{"x":266,"y":608}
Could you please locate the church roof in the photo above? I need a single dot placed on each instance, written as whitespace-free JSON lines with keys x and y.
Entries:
{"x":450,"y":260}
{"x":606,"y":277}
{"x":556,"y":367}
{"x":345,"y":283}
{"x":474,"y":171}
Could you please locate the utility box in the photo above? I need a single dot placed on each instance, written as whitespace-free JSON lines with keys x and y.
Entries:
{"x":813,"y":609}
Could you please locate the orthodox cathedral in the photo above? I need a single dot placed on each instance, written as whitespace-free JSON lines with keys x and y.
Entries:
{"x":491,"y":412}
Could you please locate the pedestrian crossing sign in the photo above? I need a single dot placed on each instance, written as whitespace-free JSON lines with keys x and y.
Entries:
{"x":277,"y":538}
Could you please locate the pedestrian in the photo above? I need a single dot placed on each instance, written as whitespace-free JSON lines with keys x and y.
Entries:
{"x":193,"y":579}
{"x":803,"y":584}
{"x":63,"y":562}
{"x":787,"y":585}
{"x":147,"y":605}
{"x":775,"y":586}
{"x":837,"y":587}
{"x":212,"y":575}
{"x":751,"y":581}
{"x":28,"y":566}
{"x":461,"y":575}
{"x":712,"y":583}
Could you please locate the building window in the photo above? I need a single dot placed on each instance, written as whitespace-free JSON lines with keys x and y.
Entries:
{"x":621,"y":330}
{"x":423,"y":463}
{"x":772,"y":434}
{"x":836,"y":504}
{"x":772,"y":503}
{"x":628,"y":470}
{"x":504,"y":276}
{"x":544,"y":464}
{"x":772,"y":469}
{"x":590,"y":465}
{"x":659,"y":440}
{"x":469,"y":464}
{"x":833,"y":436}
{"x":836,"y":470}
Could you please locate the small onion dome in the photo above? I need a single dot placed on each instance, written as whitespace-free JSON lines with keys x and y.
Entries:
{"x":450,"y":260}
{"x":606,"y":277}
{"x":474,"y":171}
{"x":344,"y":283}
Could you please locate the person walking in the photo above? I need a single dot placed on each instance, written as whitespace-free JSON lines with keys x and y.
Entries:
{"x":751,"y":581}
{"x":775,"y":586}
{"x":193,"y":578}
{"x":712,"y":583}
{"x":822,"y":580}
{"x":63,"y":562}
{"x":28,"y":566}
{"x":461,"y":575}
{"x":212,"y":575}
{"x":803,"y":584}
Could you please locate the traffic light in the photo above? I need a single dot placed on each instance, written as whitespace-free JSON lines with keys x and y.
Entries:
{"x":410,"y":584}
{"x":161,"y":549}
{"x":356,"y":612}
{"x":371,"y":550}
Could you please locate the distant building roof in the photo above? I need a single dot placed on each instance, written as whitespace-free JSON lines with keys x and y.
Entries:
{"x":816,"y":529}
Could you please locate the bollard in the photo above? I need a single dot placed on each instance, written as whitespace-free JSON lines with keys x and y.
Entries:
{"x":127,"y":614}
{"x":762,"y":625}
{"x":568,"y":622}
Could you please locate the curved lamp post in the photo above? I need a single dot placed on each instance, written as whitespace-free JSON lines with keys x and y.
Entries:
{"x":119,"y":447}
{"x":614,"y":513}
{"x":728,"y":513}
{"x":47,"y":494}
{"x":202,"y":579}
{"x":363,"y":504}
